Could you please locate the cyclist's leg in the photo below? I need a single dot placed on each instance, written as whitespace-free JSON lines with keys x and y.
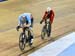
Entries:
{"x":30,"y":28}
{"x":23,"y":29}
{"x":31,"y":36}
{"x":32,"y":21}
{"x":22,"y":26}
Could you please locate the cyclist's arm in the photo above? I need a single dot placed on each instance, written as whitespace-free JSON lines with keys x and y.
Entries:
{"x":19,"y":24}
{"x":19,"y":21}
{"x":44,"y":16}
{"x":52,"y":16}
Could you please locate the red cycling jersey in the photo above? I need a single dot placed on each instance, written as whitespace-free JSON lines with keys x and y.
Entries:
{"x":49,"y":15}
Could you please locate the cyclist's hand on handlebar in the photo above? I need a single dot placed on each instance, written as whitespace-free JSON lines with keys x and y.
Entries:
{"x":17,"y":28}
{"x":40,"y":22}
{"x":26,"y":27}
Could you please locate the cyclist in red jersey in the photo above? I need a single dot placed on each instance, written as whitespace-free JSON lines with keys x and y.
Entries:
{"x":49,"y":14}
{"x":48,"y":17}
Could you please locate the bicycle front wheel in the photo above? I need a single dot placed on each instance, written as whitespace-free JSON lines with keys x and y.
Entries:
{"x":22,"y":41}
{"x":43,"y":33}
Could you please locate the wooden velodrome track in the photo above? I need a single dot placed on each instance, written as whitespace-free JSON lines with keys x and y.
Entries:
{"x":9,"y":11}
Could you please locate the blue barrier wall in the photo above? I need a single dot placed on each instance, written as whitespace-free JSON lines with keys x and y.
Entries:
{"x":2,"y":0}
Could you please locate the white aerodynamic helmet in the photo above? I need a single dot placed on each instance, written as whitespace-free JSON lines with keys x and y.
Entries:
{"x":48,"y":8}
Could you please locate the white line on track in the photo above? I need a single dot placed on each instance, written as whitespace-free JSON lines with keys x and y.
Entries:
{"x":55,"y":48}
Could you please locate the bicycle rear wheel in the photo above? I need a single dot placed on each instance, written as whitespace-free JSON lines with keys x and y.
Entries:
{"x":49,"y":30}
{"x":22,"y":41}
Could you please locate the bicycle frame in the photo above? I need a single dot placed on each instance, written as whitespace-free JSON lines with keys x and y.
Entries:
{"x":24,"y":38}
{"x":46,"y":29}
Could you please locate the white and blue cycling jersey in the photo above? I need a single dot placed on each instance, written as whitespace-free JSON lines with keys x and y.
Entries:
{"x":27,"y":18}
